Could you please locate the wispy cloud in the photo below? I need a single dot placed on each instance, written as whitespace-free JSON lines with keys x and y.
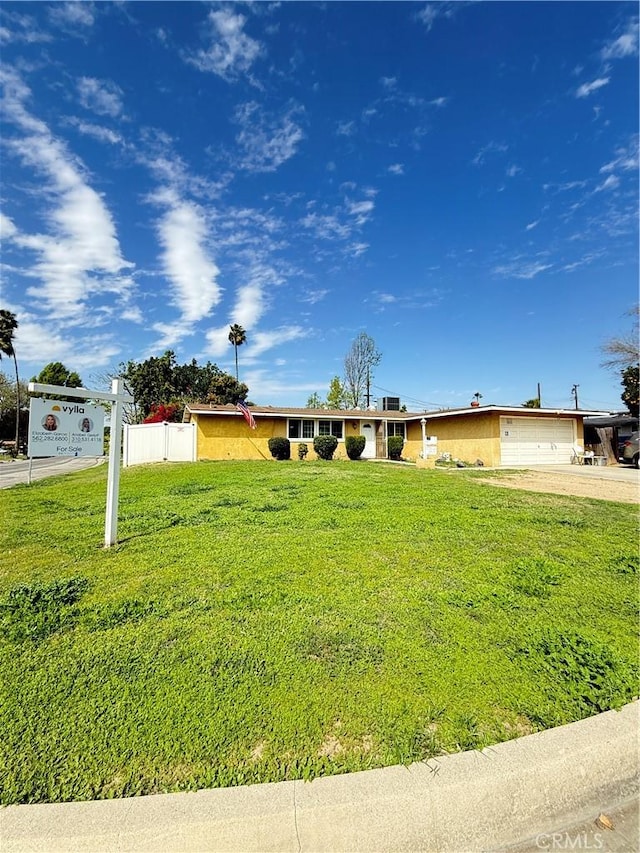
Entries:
{"x":260,"y":342}
{"x":513,"y":170}
{"x":346,"y":128}
{"x":489,"y":149}
{"x":589,"y":88}
{"x":102,"y":134}
{"x":432,"y":11}
{"x":396,"y":169}
{"x":522,"y":268}
{"x":72,"y":17}
{"x":626,"y":158}
{"x":266,"y":141}
{"x":21,"y":28}
{"x":100,"y":96}
{"x":625,"y":44}
{"x":610,"y":183}
{"x":532,"y":225}
{"x":232,"y":52}
{"x":80,"y":255}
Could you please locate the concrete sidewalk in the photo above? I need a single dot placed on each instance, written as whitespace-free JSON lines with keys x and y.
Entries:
{"x":516,"y":793}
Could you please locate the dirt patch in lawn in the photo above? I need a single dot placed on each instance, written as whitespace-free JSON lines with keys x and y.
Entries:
{"x":568,"y":484}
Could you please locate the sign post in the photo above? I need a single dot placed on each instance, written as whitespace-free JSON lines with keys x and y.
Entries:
{"x":77,"y":439}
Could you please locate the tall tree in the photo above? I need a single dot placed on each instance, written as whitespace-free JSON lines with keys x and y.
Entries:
{"x":8,"y":398}
{"x":225,"y":389}
{"x":337,"y":396}
{"x":55,"y":373}
{"x":315,"y":401}
{"x":358,"y":370}
{"x":8,"y":327}
{"x":237,"y":337}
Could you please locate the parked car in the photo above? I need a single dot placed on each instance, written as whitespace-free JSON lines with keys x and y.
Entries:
{"x":630,"y":452}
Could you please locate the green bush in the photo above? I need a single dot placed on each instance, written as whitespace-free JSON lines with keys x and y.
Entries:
{"x":354,"y":445}
{"x":325,"y":446}
{"x":303,"y":449}
{"x":280,"y":448}
{"x":395,"y":443}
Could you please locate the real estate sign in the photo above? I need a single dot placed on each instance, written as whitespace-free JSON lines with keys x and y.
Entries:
{"x":60,"y":428}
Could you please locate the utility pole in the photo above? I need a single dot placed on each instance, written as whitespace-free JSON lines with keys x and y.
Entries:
{"x":539,"y":397}
{"x":574,"y":392}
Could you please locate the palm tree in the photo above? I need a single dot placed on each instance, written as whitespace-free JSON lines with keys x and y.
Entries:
{"x":8,"y":325}
{"x":237,"y":337}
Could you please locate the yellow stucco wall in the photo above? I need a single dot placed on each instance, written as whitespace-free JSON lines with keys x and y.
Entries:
{"x":468,"y":439}
{"x":229,"y":437}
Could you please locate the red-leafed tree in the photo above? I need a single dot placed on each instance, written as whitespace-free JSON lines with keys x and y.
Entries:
{"x":161,"y":413}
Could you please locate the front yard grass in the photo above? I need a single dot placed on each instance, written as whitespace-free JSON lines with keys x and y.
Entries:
{"x":263,"y":621}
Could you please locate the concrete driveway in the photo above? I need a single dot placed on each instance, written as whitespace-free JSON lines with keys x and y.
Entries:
{"x":16,"y":471}
{"x":620,"y":473}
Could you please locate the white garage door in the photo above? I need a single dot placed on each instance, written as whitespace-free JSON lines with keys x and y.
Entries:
{"x":536,"y":441}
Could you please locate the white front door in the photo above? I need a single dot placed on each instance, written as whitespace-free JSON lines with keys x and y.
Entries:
{"x":368,"y":430}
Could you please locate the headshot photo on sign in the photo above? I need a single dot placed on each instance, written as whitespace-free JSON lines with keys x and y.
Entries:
{"x":50,"y":423}
{"x":85,"y":425}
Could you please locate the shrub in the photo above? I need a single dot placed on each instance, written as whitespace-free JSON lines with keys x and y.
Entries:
{"x":280,"y":448}
{"x":303,"y":449}
{"x":354,"y":445}
{"x":395,"y":443}
{"x":325,"y":446}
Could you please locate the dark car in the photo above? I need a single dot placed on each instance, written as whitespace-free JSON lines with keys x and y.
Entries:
{"x":630,"y":451}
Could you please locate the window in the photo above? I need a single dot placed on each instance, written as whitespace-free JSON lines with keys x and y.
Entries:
{"x":395,"y":428}
{"x":303,"y":429}
{"x":330,"y":428}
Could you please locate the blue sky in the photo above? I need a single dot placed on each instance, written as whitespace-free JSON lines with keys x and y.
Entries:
{"x":458,"y":180}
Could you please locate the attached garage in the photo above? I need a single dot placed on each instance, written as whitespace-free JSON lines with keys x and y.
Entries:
{"x":536,"y":441}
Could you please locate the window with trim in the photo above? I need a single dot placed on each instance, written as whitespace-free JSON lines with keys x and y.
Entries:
{"x":300,"y":428}
{"x":396,"y":428}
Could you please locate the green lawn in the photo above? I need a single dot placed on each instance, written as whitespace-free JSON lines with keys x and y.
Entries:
{"x":263,"y":621}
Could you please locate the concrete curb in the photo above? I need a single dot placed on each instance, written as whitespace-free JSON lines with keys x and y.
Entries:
{"x":471,"y":801}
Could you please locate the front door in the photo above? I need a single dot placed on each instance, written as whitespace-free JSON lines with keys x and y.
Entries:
{"x":368,"y":430}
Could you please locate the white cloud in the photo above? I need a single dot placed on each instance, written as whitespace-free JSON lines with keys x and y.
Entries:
{"x":532,"y":225}
{"x":259,"y":342}
{"x":520,"y":268}
{"x":625,"y":45}
{"x":433,"y":11}
{"x":588,"y":88}
{"x":346,"y":128}
{"x":22,"y":28}
{"x":610,"y":183}
{"x":625,"y":159}
{"x":100,"y":96}
{"x":72,"y":15}
{"x":489,"y":148}
{"x":102,"y":134}
{"x":43,"y":342}
{"x":266,"y":141}
{"x":513,"y":170}
{"x":79,"y":257}
{"x":396,"y":169}
{"x":361,"y":210}
{"x":249,"y":306}
{"x":182,"y":233}
{"x":439,"y":102}
{"x":232,"y":52}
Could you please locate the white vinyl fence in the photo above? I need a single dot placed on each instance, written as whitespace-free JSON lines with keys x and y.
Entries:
{"x":159,"y":443}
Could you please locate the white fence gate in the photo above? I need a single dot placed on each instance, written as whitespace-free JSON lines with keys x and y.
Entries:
{"x":163,"y":442}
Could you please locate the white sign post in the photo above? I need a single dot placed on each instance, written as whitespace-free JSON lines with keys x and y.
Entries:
{"x":67,"y":420}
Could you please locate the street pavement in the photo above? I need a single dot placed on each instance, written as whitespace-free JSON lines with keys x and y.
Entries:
{"x":16,"y":471}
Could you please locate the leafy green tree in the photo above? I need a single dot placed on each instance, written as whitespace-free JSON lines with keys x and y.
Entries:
{"x":358,"y":370}
{"x":151,"y":382}
{"x":8,"y":400}
{"x":631,"y":389}
{"x":237,"y":337}
{"x":55,"y":373}
{"x":337,"y":396}
{"x":8,"y":327}
{"x":315,"y":401}
{"x":225,"y":389}
{"x":533,"y":403}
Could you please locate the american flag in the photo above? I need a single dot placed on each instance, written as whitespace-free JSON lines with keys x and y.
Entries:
{"x":246,"y":414}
